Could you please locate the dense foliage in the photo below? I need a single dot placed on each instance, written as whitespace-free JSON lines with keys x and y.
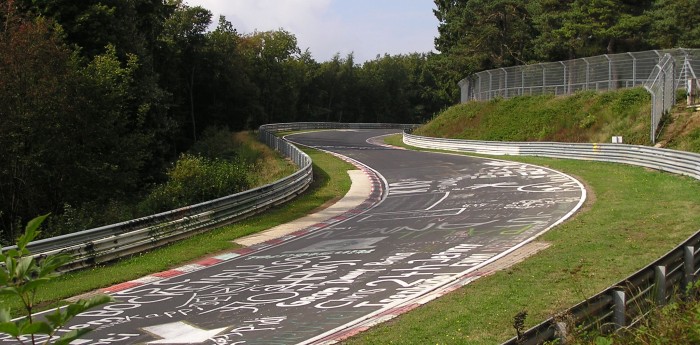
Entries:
{"x":475,"y":35}
{"x":99,"y":97}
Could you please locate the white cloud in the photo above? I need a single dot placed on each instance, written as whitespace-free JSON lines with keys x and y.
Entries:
{"x":326,"y":27}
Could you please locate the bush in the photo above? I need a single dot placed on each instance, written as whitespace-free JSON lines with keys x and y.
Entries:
{"x":195,"y":179}
{"x":215,"y":143}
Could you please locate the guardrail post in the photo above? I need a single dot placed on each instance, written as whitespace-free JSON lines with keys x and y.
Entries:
{"x":660,"y":286}
{"x":561,"y":332}
{"x":619,"y":316}
{"x":689,"y":265}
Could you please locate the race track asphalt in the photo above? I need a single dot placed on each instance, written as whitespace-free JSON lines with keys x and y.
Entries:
{"x":431,"y":219}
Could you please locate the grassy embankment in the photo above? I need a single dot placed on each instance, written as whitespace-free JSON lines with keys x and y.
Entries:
{"x":330,"y":182}
{"x":632,"y":216}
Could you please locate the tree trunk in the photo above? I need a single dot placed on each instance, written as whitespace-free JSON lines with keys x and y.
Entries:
{"x":194,"y":126}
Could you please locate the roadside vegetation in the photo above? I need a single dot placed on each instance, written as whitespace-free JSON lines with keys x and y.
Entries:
{"x":219,"y":164}
{"x":330,"y":182}
{"x":632,"y":216}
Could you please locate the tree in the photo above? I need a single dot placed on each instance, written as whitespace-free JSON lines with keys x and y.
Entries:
{"x":224,"y":91}
{"x":590,"y":27}
{"x":492,"y":33}
{"x":36,"y":85}
{"x":475,"y":35}
{"x":271,"y":54}
{"x":71,"y":134}
{"x":184,"y":38}
{"x":674,"y":24}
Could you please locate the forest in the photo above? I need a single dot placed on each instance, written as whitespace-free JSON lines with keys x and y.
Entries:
{"x":100,"y":98}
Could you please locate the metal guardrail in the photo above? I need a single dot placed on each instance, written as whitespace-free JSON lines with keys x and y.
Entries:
{"x":110,"y":242}
{"x":624,"y":303}
{"x":300,"y":126}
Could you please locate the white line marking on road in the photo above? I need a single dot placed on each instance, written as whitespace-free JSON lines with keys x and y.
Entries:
{"x":439,"y":201}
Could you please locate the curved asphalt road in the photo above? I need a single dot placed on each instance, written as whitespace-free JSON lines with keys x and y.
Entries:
{"x":437,"y":217}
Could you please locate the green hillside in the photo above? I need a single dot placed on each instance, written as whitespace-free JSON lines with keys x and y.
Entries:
{"x":583,"y":117}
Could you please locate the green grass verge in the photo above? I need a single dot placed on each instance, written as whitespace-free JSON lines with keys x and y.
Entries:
{"x":330,"y":181}
{"x":632,"y":217}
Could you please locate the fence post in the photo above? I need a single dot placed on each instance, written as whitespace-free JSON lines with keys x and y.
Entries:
{"x":505,"y":80}
{"x":619,"y":316}
{"x":634,"y":69}
{"x":588,"y":72}
{"x":653,"y":110}
{"x":688,"y":265}
{"x":544,"y":79}
{"x":566,"y":87}
{"x":490,"y":85}
{"x":660,"y":286}
{"x":609,"y":72}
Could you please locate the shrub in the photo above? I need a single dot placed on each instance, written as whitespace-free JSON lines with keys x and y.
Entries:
{"x":195,"y":179}
{"x":216,"y":143}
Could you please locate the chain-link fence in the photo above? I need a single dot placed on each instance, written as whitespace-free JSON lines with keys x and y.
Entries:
{"x":600,"y":73}
{"x":662,"y":88}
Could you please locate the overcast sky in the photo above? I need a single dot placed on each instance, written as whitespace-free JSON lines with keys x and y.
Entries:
{"x":326,"y":27}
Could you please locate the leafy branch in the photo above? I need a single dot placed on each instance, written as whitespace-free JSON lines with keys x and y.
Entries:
{"x":21,"y":276}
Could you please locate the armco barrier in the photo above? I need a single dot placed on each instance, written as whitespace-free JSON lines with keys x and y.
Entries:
{"x":624,"y":303}
{"x":114,"y":241}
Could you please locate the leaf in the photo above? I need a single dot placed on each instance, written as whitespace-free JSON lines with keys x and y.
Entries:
{"x":9,"y":291}
{"x":12,"y":253}
{"x":24,"y":266}
{"x":9,"y":328}
{"x":83,"y":305}
{"x":61,"y":316}
{"x":4,"y":277}
{"x":50,"y":264}
{"x":30,"y":232}
{"x":5,"y":315}
{"x":57,"y":318}
{"x":34,"y":284}
{"x":36,"y":328}
{"x":72,"y":335}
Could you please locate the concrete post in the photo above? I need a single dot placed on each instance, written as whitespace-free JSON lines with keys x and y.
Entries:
{"x":619,"y":316}
{"x":660,"y":285}
{"x":688,"y":265}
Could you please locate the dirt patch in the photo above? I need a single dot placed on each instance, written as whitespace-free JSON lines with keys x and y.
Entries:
{"x":682,"y":122}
